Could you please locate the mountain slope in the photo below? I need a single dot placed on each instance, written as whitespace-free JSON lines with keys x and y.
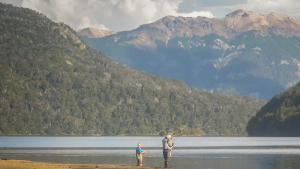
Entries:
{"x":279,"y":117}
{"x":243,"y":53}
{"x":95,"y":33}
{"x":53,"y":83}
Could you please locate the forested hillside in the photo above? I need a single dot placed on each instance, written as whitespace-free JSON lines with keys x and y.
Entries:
{"x":279,"y":117}
{"x":53,"y":83}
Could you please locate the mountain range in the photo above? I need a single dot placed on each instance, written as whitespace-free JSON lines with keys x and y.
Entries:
{"x":244,"y":53}
{"x":52,"y":83}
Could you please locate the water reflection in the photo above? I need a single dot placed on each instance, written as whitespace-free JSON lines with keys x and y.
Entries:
{"x":206,"y":162}
{"x":288,"y":162}
{"x":189,"y":153}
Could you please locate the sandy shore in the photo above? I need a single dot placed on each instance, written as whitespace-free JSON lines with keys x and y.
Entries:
{"x":22,"y":164}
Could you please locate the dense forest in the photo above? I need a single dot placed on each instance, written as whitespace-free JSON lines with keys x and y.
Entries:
{"x":52,"y":83}
{"x":279,"y":117}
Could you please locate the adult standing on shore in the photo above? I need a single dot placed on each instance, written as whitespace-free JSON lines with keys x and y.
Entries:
{"x":167,"y":148}
{"x":139,"y":154}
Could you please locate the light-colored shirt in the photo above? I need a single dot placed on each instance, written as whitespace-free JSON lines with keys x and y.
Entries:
{"x":167,"y":144}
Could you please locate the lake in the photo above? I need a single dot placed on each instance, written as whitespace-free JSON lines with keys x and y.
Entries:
{"x":188,"y":152}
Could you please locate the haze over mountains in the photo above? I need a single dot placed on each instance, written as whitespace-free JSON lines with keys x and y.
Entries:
{"x":244,"y":53}
{"x":52,"y":83}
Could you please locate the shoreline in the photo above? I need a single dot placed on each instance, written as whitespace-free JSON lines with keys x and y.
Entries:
{"x":25,"y":164}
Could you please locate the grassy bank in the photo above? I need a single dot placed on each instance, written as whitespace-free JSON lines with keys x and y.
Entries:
{"x":22,"y":164}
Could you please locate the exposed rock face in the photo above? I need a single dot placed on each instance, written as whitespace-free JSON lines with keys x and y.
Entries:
{"x":242,"y":21}
{"x":95,"y":33}
{"x":229,"y":26}
{"x":222,"y":44}
{"x":237,"y":54}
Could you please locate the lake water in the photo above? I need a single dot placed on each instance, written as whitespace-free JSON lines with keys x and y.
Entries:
{"x":188,"y":152}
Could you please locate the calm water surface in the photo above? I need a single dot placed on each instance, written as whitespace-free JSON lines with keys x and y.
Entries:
{"x":188,"y":153}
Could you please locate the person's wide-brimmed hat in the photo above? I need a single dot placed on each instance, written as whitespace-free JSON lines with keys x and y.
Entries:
{"x":168,"y":136}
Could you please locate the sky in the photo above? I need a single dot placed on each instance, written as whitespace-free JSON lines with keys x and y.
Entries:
{"x":119,"y":15}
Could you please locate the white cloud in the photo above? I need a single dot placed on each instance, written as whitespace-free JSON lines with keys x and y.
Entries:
{"x":57,"y":10}
{"x":128,"y":14}
{"x":104,"y":14}
{"x":13,"y":2}
{"x":289,"y":7}
{"x":86,"y":22}
{"x":195,"y":14}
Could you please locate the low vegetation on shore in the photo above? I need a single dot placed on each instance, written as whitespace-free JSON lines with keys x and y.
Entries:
{"x":13,"y":164}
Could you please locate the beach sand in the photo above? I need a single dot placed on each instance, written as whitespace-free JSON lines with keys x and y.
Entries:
{"x":23,"y":164}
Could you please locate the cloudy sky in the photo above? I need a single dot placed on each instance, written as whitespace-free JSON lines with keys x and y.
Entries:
{"x":128,"y":14}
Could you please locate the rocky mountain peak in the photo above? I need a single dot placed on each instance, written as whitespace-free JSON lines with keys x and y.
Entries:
{"x":168,"y":18}
{"x":228,"y":27}
{"x":240,"y":13}
{"x":280,"y":17}
{"x":95,"y":33}
{"x":277,"y":15}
